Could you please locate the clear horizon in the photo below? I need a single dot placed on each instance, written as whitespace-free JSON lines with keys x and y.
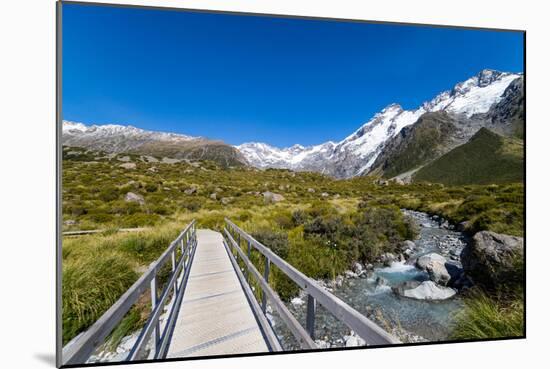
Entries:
{"x":241,"y":78}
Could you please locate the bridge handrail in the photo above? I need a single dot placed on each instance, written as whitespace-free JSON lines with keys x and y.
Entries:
{"x":361,"y":325}
{"x":83,"y":346}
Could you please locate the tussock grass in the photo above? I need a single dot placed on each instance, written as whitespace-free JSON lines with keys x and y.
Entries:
{"x":485,"y":316}
{"x":91,"y":284}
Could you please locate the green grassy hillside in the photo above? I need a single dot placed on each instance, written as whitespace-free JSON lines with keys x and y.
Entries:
{"x":487,"y":158}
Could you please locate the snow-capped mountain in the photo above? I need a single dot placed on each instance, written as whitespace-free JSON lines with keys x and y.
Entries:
{"x":356,"y":153}
{"x":114,"y":137}
{"x":119,"y":139}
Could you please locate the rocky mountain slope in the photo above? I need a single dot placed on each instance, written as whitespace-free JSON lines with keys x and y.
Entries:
{"x":127,"y":139}
{"x":418,"y":144}
{"x":491,"y":98}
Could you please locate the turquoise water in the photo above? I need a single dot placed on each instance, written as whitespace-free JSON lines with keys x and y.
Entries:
{"x":373,"y":296}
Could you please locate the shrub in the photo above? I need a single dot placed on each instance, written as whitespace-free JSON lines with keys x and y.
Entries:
{"x":299,"y":217}
{"x":109,"y":193}
{"x":276,"y":241}
{"x":151,"y":187}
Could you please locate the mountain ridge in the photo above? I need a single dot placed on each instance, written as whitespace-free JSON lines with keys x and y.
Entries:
{"x":356,"y":154}
{"x":490,"y":99}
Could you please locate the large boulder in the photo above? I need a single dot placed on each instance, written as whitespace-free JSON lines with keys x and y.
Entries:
{"x":270,"y":197}
{"x":493,"y":259}
{"x":434,"y":264}
{"x":426,"y":290}
{"x":134,"y":197}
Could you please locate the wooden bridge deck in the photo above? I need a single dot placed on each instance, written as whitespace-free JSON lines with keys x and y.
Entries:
{"x":215,"y":316}
{"x":214,"y":310}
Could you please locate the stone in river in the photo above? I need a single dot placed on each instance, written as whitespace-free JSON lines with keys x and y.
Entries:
{"x":426,"y":290}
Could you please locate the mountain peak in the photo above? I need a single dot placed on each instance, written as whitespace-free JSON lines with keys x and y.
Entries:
{"x":488,"y":76}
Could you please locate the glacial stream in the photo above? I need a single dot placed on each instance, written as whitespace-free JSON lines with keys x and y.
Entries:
{"x":409,"y":319}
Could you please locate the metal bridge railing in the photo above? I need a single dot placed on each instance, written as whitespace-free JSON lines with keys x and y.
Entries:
{"x":83,"y":346}
{"x":364,"y":327}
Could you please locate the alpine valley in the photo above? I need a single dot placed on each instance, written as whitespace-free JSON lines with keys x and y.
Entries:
{"x":394,"y":144}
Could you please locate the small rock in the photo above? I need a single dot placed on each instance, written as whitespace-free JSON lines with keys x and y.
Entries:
{"x":408,"y":245}
{"x":324,"y":194}
{"x":350,"y":274}
{"x":358,"y":269}
{"x":191,"y":190}
{"x":134,"y":197}
{"x":213,"y":196}
{"x":69,"y":222}
{"x":297,"y":302}
{"x":311,"y":190}
{"x":226,"y":200}
{"x":353,"y":340}
{"x":128,"y":165}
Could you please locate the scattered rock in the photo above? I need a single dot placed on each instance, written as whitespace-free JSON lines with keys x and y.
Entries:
{"x":492,"y":259}
{"x":69,"y":222}
{"x":322,"y":344}
{"x":408,"y":245}
{"x":191,"y":190}
{"x":387,"y":258}
{"x":311,"y":190}
{"x":353,"y":340}
{"x":153,"y":169}
{"x":226,"y":200}
{"x":350,"y":274}
{"x":426,"y":290}
{"x":213,"y":196}
{"x":324,"y":194}
{"x":359,"y":269}
{"x":297,"y":302}
{"x":128,"y":165}
{"x":270,"y":197}
{"x":124,"y":158}
{"x":134,"y":197}
{"x":170,"y":160}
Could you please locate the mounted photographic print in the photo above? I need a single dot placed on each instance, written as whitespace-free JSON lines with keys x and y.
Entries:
{"x":245,"y":184}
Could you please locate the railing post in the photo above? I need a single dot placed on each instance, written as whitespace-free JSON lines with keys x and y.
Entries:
{"x":266,"y":277}
{"x":248,"y":256}
{"x":310,"y":318}
{"x":174,"y":270}
{"x":154,"y":298}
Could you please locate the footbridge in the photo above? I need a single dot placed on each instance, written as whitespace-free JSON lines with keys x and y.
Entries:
{"x":210,"y":295}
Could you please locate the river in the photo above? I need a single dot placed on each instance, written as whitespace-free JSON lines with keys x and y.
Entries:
{"x":412,"y":320}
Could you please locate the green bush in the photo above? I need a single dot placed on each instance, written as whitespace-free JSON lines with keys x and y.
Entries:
{"x":276,"y":241}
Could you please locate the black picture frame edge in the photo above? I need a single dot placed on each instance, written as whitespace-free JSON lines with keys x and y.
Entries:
{"x":59,"y":119}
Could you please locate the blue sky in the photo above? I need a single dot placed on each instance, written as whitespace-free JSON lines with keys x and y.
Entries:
{"x":275,"y":80}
